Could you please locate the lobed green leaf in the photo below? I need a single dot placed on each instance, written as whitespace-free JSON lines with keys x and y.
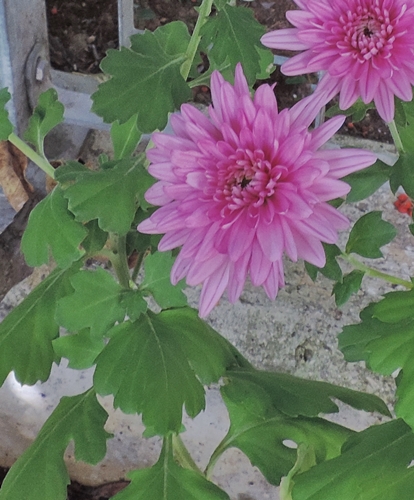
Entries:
{"x":96,"y":300}
{"x":403,"y":173}
{"x":369,"y":234}
{"x":80,"y":349}
{"x":110,"y":195}
{"x":365,"y":182}
{"x":26,"y":334}
{"x":47,"y":114}
{"x":357,"y":111}
{"x":146,"y":79}
{"x":373,"y":465}
{"x":40,"y":473}
{"x":168,"y":481}
{"x":168,"y":355}
{"x":351,"y":284}
{"x":260,"y":430}
{"x":331,"y":269}
{"x":266,"y":409}
{"x":157,"y":281}
{"x":51,"y":227}
{"x":125,"y":137}
{"x":386,"y":347}
{"x":234,"y":34}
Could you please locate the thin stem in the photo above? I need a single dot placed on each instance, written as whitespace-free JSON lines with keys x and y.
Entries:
{"x":182,"y":455}
{"x":396,"y":137}
{"x":40,"y":161}
{"x":203,"y":13}
{"x":374,"y":273}
{"x":119,"y":260}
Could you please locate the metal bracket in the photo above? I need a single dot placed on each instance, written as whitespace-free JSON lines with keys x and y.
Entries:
{"x":37,"y":73}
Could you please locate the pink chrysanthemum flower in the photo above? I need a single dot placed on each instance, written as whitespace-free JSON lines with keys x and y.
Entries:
{"x":366,"y":48}
{"x":242,"y":188}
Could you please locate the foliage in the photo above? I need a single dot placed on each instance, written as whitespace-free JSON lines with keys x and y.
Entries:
{"x":40,"y":473}
{"x":109,"y":304}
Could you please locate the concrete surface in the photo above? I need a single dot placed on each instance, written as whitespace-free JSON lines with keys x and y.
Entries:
{"x":296,"y":334}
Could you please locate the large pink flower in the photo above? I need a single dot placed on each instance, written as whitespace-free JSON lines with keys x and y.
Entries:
{"x":366,"y":48}
{"x":242,"y":188}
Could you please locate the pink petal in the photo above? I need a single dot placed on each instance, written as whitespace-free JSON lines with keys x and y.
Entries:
{"x":213,"y":289}
{"x":285,"y":39}
{"x":345,"y":161}
{"x":322,"y":134}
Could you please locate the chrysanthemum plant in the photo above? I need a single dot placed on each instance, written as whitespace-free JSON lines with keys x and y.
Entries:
{"x":220,"y":197}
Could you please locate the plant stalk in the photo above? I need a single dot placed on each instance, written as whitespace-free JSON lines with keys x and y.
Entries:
{"x":182,"y":455}
{"x":40,"y":161}
{"x":203,"y":13}
{"x":119,"y":259}
{"x":396,"y":137}
{"x":374,"y":273}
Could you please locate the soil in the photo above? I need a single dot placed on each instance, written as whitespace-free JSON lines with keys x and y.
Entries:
{"x":80,"y":32}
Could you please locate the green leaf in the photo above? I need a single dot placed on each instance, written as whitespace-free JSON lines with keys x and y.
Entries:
{"x":374,"y":465}
{"x":403,"y":173}
{"x":80,"y":349}
{"x":331,"y":269}
{"x":395,"y":307}
{"x":299,"y":397}
{"x":220,"y":4}
{"x":386,"y":346}
{"x":365,"y":182}
{"x":157,"y":281}
{"x":148,"y":374}
{"x":207,"y":351}
{"x":6,"y":127}
{"x":357,"y":110}
{"x":47,"y":114}
{"x":52,"y":227}
{"x":26,"y":333}
{"x":95,"y":304}
{"x":40,"y":473}
{"x":406,"y":126}
{"x":351,"y":283}
{"x":162,"y":355}
{"x":260,"y":429}
{"x":146,"y":79}
{"x":125,"y":137}
{"x":134,"y":303}
{"x":110,"y":195}
{"x":233,"y":33}
{"x":168,"y":481}
{"x":369,"y":234}
{"x":96,"y":238}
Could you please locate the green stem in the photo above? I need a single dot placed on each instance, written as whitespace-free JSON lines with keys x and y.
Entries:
{"x":40,"y":161}
{"x":203,"y":13}
{"x":119,"y":259}
{"x":396,"y":137}
{"x":182,"y":455}
{"x":374,"y":273}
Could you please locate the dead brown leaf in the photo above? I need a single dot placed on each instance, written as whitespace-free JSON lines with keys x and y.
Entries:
{"x":13,"y":164}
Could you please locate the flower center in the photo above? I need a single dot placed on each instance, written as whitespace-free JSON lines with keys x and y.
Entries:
{"x":367,"y":32}
{"x":246,"y":179}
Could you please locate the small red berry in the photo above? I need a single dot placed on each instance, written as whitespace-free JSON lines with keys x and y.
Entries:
{"x":404,"y":204}
{"x":54,"y":10}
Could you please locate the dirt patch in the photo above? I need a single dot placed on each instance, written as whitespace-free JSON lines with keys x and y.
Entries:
{"x":80,"y":32}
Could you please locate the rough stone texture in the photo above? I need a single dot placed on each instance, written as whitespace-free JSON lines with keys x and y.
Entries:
{"x":295,"y":334}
